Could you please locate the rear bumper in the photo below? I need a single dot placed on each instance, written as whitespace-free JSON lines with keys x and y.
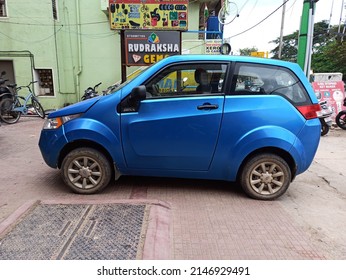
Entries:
{"x":307,"y":143}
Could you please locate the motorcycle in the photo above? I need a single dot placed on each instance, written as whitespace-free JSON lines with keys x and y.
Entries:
{"x":110,"y":89}
{"x":340,"y":118}
{"x":91,"y":92}
{"x":325,"y":117}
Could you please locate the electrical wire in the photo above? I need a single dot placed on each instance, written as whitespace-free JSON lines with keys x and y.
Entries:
{"x":254,"y":6}
{"x":62,"y":29}
{"x":96,"y":35}
{"x":246,"y":30}
{"x":295,"y":1}
{"x":52,"y":24}
{"x":32,"y":42}
{"x":242,"y":7}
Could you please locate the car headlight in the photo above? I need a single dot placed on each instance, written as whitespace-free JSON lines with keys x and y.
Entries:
{"x":54,"y":123}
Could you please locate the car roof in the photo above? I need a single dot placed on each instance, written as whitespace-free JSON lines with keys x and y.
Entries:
{"x":235,"y":58}
{"x":205,"y":58}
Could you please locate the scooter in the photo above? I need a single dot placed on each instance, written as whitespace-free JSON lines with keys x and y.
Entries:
{"x":340,"y":118}
{"x":90,"y":92}
{"x":325,"y":117}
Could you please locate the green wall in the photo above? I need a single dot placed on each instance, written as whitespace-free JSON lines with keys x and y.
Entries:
{"x":79,"y":47}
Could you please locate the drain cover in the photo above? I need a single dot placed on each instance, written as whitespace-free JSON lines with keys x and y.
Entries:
{"x":77,"y":232}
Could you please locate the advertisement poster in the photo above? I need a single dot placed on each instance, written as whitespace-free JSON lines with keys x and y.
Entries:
{"x":147,"y":47}
{"x":333,"y":92}
{"x":213,"y":46}
{"x":148,"y":14}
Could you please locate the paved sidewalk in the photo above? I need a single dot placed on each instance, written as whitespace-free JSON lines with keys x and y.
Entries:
{"x":193,"y":219}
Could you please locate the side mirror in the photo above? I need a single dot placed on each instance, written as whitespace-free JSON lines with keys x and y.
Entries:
{"x":138,"y":93}
{"x":132,"y":101}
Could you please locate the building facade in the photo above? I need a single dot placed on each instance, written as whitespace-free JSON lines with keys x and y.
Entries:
{"x":70,"y":45}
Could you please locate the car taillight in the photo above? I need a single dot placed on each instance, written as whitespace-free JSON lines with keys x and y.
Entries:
{"x":309,"y":111}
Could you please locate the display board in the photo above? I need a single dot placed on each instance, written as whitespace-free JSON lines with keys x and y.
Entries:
{"x":149,"y":14}
{"x":333,"y":92}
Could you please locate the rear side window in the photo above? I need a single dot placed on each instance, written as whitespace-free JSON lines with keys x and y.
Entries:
{"x":257,"y":79}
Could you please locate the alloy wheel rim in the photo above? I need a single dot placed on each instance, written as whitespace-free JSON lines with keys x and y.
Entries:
{"x":267,"y":178}
{"x":84,"y":172}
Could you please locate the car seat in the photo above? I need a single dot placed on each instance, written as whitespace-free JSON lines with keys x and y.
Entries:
{"x":201,"y":77}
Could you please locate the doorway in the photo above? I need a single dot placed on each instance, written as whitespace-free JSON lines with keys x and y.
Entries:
{"x":7,"y":65}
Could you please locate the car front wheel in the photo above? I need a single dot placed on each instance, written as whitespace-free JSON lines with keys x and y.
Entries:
{"x":86,"y":170}
{"x":265,"y":177}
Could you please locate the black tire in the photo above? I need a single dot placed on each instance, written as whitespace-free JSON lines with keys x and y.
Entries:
{"x":6,"y":114}
{"x":341,"y":119}
{"x":324,"y":128}
{"x":265,"y":177}
{"x":86,"y":170}
{"x":38,"y":108}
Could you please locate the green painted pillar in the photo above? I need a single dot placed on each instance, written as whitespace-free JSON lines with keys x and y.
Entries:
{"x":306,"y":36}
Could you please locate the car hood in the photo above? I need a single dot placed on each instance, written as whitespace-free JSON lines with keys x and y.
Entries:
{"x":77,"y":108}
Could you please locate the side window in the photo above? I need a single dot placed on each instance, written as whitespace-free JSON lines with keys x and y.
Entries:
{"x":3,"y":12}
{"x":290,"y":86}
{"x":248,"y":80}
{"x":187,"y":80}
{"x":45,"y":87}
{"x":55,"y":9}
{"x":257,"y":79}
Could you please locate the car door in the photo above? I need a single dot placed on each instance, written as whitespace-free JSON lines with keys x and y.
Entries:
{"x":176,"y":127}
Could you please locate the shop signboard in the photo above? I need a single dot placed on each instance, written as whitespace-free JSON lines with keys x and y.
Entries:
{"x":143,"y":48}
{"x":333,"y":92}
{"x":213,"y":46}
{"x":148,"y":14}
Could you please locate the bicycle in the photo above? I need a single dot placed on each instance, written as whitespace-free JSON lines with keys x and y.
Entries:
{"x":11,"y":109}
{"x":228,"y":12}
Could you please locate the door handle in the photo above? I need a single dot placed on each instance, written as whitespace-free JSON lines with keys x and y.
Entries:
{"x":208,"y":106}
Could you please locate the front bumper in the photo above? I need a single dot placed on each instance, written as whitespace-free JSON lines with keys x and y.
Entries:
{"x":51,"y":143}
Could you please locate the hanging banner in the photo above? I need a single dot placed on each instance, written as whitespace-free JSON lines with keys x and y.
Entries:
{"x":147,"y":47}
{"x":148,"y":14}
{"x":333,"y":92}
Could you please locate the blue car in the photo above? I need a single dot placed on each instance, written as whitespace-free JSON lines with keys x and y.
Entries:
{"x":229,"y":118}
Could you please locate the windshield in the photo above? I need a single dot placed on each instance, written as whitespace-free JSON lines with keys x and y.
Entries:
{"x":130,"y":77}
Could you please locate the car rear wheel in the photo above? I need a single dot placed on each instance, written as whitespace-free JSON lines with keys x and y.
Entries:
{"x":265,"y":177}
{"x":86,"y":170}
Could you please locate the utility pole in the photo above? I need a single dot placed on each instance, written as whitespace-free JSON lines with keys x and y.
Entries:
{"x":330,"y":17}
{"x":343,"y":31}
{"x":306,"y":34}
{"x":282,"y":27}
{"x":340,"y":20}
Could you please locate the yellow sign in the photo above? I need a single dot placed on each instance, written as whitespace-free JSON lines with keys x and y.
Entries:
{"x":148,"y":14}
{"x":260,"y":54}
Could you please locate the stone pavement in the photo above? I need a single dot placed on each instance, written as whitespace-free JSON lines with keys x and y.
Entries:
{"x":189,"y":219}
